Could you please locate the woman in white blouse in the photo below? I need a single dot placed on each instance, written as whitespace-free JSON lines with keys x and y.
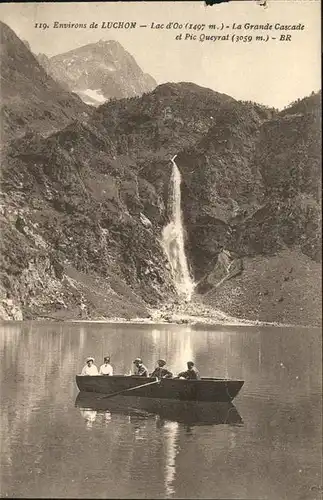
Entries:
{"x":90,"y":368}
{"x":106,"y":368}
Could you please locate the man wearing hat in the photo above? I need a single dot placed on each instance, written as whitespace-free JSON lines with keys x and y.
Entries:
{"x":90,"y":368}
{"x":161,"y":370}
{"x":140,"y":369}
{"x":191,"y":373}
{"x":106,"y":368}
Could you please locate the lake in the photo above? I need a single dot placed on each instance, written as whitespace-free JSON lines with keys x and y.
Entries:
{"x":267,"y":446}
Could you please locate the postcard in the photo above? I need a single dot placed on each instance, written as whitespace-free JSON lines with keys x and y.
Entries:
{"x":160,"y":291}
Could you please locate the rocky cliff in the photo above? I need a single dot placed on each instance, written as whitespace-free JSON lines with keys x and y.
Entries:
{"x":29,"y":96}
{"x":74,"y":215}
{"x":84,"y":205}
{"x":259,"y":230}
{"x":98,"y":72}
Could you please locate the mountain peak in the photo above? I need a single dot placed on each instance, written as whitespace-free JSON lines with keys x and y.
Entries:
{"x":187,"y":88}
{"x":100,"y":71}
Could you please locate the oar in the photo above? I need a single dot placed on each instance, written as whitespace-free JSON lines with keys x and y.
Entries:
{"x":130,"y":389}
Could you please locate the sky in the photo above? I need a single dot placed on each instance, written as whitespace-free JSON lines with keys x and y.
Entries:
{"x":274,"y":73}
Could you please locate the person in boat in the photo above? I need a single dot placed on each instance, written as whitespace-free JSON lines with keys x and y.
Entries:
{"x":106,"y":368}
{"x":161,"y":371}
{"x":191,"y":373}
{"x":90,"y":368}
{"x":140,"y":369}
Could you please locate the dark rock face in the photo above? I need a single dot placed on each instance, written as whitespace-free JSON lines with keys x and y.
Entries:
{"x":254,"y":190}
{"x":250,"y":184}
{"x":163,"y":122}
{"x":98,"y":72}
{"x":220,"y":182}
{"x":84,"y":206}
{"x":72,"y":201}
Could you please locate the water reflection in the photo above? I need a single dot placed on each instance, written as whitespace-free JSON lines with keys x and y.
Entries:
{"x":167,"y":415}
{"x":190,"y":413}
{"x":89,"y":416}
{"x":171,"y":450}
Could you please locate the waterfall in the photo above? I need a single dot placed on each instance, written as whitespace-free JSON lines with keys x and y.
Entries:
{"x":173,"y":240}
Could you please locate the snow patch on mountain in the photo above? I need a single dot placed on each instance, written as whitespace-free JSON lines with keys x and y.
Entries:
{"x":91,"y":97}
{"x":104,"y":67}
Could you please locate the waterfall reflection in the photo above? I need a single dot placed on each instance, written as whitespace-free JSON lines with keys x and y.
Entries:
{"x":171,"y":450}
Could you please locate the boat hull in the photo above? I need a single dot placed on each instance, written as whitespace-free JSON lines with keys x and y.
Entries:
{"x":213,"y":390}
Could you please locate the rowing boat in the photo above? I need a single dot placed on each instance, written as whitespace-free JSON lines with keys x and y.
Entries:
{"x":205,"y":389}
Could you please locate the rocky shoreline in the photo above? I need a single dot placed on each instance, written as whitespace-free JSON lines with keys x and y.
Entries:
{"x":186,"y":313}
